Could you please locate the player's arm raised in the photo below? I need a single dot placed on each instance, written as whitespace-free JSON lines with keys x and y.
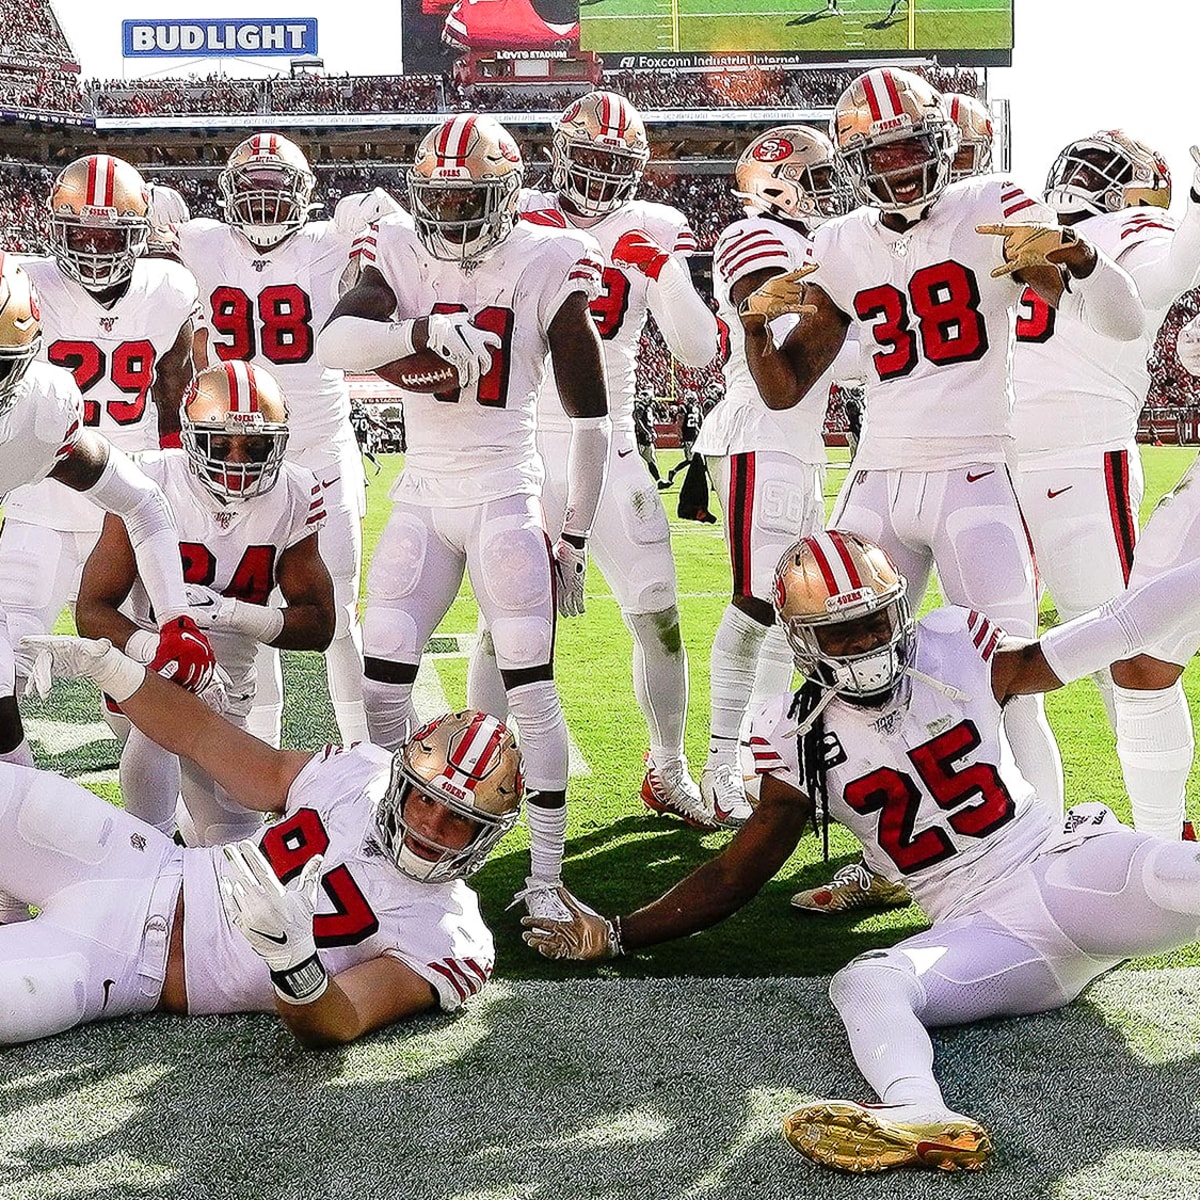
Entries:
{"x":578,"y":364}
{"x":785,"y":374}
{"x":172,"y":374}
{"x":1165,"y":608}
{"x":712,"y":892}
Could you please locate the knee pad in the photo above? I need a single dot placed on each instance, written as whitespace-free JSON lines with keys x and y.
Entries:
{"x":657,"y":629}
{"x":29,"y":555}
{"x":877,"y":971}
{"x":519,"y":642}
{"x":399,"y":558}
{"x":1171,"y":877}
{"x":515,"y":563}
{"x":390,"y":633}
{"x":44,"y":993}
{"x":643,"y":517}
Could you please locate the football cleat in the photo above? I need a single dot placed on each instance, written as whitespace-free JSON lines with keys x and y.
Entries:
{"x":862,"y":1139}
{"x":544,"y":900}
{"x":724,"y":795}
{"x":670,"y":789}
{"x":853,"y":887}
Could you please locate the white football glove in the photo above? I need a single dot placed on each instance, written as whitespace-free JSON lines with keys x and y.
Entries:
{"x":210,"y":610}
{"x":587,"y":936}
{"x":570,"y":565}
{"x":50,"y":658}
{"x":467,"y":349}
{"x":276,"y":920}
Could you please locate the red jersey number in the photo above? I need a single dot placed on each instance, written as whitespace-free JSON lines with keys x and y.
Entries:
{"x":253,"y":581}
{"x":288,"y":846}
{"x":609,"y":308}
{"x":1035,"y":318}
{"x":278,"y":325}
{"x":131,"y":372}
{"x":492,"y":389}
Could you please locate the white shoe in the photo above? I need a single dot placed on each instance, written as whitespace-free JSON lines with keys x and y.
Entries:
{"x":671,"y":789}
{"x":725,"y":797}
{"x":544,"y":899}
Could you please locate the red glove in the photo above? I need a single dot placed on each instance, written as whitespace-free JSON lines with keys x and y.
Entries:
{"x":639,"y":250}
{"x":184,"y":655}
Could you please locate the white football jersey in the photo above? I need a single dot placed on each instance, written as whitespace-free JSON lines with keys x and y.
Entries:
{"x":468,"y":447}
{"x":113,"y":353}
{"x":928,"y":786}
{"x":621,"y":307}
{"x":367,"y":908}
{"x":267,"y":308}
{"x":232,"y":548}
{"x":39,"y":428}
{"x":936,"y":329}
{"x":741,"y":422}
{"x":1074,"y":387}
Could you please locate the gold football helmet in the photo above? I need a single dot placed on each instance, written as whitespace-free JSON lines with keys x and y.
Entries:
{"x":99,"y":220}
{"x":789,"y":172}
{"x":1105,"y":173}
{"x":234,"y":429}
{"x":266,"y":189}
{"x":598,"y":153}
{"x":20,"y":328}
{"x":895,"y":142}
{"x":463,"y":187}
{"x":974,"y":155}
{"x":455,"y":791}
{"x":825,"y":582}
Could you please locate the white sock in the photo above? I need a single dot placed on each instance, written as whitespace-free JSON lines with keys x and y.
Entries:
{"x":344,"y":671}
{"x":265,"y":721}
{"x":149,"y":781}
{"x":1035,"y":750}
{"x":390,"y":713}
{"x":660,"y":679}
{"x":539,"y":715}
{"x":776,"y":666}
{"x":732,"y":667}
{"x":547,"y":840}
{"x":485,"y":688}
{"x":878,"y":1006}
{"x":1155,"y":744}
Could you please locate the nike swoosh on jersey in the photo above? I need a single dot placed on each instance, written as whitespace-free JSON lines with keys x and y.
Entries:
{"x":328,"y":483}
{"x":982,"y":475}
{"x":1051,"y":493}
{"x":623,"y":453}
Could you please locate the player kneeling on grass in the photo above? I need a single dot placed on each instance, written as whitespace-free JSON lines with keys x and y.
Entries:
{"x":350,"y":910}
{"x":899,"y":735}
{"x":247,"y":524}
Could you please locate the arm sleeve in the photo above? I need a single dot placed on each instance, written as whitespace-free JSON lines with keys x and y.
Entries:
{"x":1164,"y":269}
{"x":1160,"y":610}
{"x":587,"y":468}
{"x":687,"y":323}
{"x":360,"y":344}
{"x":123,"y":489}
{"x":1107,"y":301}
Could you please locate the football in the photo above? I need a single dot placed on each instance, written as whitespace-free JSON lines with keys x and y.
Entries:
{"x":421,"y":371}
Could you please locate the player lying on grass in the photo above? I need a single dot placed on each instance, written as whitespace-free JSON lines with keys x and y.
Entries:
{"x":350,"y":910}
{"x":899,"y":735}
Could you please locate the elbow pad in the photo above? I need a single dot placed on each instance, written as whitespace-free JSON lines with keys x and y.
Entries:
{"x":1163,"y":609}
{"x":587,"y":468}
{"x":123,"y":490}
{"x":1106,"y":301}
{"x":687,"y":323}
{"x":358,"y":344}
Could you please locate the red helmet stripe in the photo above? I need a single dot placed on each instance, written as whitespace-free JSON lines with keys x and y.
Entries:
{"x":234,"y":397}
{"x":872,"y":97}
{"x":110,"y":180}
{"x":839,"y":544}
{"x":93,"y":163}
{"x":954,"y":107}
{"x":605,"y":119}
{"x":454,"y":139}
{"x":252,"y":389}
{"x":477,"y":746}
{"x":889,"y":82}
{"x":823,"y":564}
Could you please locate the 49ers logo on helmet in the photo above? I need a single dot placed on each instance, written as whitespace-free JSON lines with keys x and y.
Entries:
{"x":773,"y":150}
{"x":509,"y":149}
{"x":780,"y":593}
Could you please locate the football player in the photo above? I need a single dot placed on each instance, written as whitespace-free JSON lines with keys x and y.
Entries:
{"x":975,"y":132}
{"x":269,"y":278}
{"x":599,"y":151}
{"x":932,"y":272}
{"x":1079,"y":478}
{"x":768,"y":463}
{"x":349,"y":912}
{"x":121,"y":323}
{"x":492,"y":296}
{"x":1027,"y":910}
{"x":247,"y":523}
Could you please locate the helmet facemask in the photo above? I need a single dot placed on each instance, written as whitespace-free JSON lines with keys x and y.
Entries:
{"x":1106,"y":173}
{"x":97,"y":251}
{"x":258,"y":447}
{"x":14,"y":362}
{"x":462,"y":219}
{"x":267,"y":200}
{"x":596,"y":179}
{"x":901,"y":173}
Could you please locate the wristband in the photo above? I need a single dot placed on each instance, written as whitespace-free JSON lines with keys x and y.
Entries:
{"x":117,"y":675}
{"x":303,"y":983}
{"x":142,"y":645}
{"x":262,"y":622}
{"x":615,"y":948}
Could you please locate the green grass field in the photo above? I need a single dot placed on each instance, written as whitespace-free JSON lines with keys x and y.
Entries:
{"x":661,"y":1075}
{"x":734,"y":26}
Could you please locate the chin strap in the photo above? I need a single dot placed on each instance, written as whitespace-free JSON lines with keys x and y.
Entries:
{"x":947,"y":689}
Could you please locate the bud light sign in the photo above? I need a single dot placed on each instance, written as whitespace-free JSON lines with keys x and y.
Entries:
{"x":219,"y":37}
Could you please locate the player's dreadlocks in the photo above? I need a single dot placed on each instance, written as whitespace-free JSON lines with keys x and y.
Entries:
{"x":808,"y":710}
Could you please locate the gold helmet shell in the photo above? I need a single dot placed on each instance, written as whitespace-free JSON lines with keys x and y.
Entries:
{"x":20,"y":328}
{"x":234,"y":429}
{"x":1107,"y":172}
{"x":790,"y":172}
{"x":266,"y":189}
{"x":598,"y":153}
{"x":468,"y":764}
{"x":974,"y":154}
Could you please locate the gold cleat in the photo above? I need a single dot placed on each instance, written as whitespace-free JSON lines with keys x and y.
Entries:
{"x":852,"y":1137}
{"x":853,"y":887}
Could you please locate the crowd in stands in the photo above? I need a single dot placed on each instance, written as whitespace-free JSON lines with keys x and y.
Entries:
{"x":30,"y":31}
{"x":40,"y":90}
{"x":1170,"y":385}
